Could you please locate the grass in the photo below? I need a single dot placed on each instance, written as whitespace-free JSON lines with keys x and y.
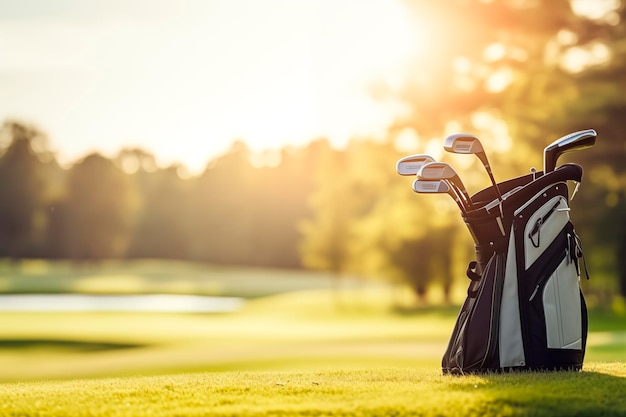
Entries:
{"x":296,"y":331}
{"x":380,"y":392}
{"x":303,"y":330}
{"x":309,"y":352}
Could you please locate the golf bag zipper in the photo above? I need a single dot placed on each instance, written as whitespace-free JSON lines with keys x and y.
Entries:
{"x":540,"y":221}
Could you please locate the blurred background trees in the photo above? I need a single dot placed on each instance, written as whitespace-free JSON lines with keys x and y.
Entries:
{"x":519,"y":74}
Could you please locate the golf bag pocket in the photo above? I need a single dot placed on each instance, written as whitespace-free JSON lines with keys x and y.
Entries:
{"x":473,"y":344}
{"x":543,"y":226}
{"x":551,"y":302}
{"x":561,"y":306}
{"x":554,"y":291}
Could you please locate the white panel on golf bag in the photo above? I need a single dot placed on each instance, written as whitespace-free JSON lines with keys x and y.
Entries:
{"x":561,"y":304}
{"x":544,"y":225}
{"x":511,"y":338}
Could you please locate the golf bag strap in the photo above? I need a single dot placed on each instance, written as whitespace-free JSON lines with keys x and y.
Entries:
{"x":580,"y":254}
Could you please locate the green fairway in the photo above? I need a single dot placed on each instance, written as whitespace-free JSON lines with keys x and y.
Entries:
{"x":296,"y":331}
{"x":380,"y":392}
{"x":315,"y":351}
{"x":293,"y":331}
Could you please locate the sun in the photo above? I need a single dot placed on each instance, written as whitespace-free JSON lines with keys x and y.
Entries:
{"x":187,"y":82}
{"x":314,"y":82}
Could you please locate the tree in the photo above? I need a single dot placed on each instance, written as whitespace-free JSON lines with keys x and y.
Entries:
{"x":577,"y":88}
{"x":98,"y":211}
{"x":407,"y":238}
{"x":334,"y":204}
{"x":223,"y":209}
{"x":365,"y":222}
{"x":280,"y":194}
{"x":163,"y":228}
{"x":22,"y":188}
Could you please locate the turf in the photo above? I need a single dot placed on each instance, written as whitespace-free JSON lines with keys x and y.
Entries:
{"x":296,"y":331}
{"x":307,"y":353}
{"x":382,"y":392}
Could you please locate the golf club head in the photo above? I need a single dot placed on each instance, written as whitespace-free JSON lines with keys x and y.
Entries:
{"x":468,"y":144}
{"x":463,"y":143}
{"x":431,"y":187}
{"x":411,"y":164}
{"x":443,"y":171}
{"x":438,"y":187}
{"x":437,"y":171}
{"x":573,"y":142}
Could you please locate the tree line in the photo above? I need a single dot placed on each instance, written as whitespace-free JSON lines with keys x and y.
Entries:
{"x":312,"y":209}
{"x":128,"y":207}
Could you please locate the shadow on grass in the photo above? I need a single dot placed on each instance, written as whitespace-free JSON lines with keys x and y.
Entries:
{"x":566,"y":393}
{"x":70,"y":346}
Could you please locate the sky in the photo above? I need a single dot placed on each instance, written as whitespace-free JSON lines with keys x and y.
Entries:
{"x":184,"y":78}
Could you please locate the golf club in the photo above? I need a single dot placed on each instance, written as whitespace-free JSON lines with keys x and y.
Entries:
{"x":411,"y":164}
{"x":573,"y":142}
{"x":437,"y":187}
{"x":465,"y":143}
{"x":443,"y":171}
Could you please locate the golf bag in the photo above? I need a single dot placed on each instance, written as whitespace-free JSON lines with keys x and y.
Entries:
{"x":524,"y":308}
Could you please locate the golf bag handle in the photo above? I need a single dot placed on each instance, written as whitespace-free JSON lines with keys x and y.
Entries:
{"x":471,"y":271}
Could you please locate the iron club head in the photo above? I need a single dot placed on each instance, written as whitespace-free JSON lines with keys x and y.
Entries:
{"x":437,"y":187}
{"x":431,"y":186}
{"x":443,"y":171}
{"x":411,"y":164}
{"x":465,"y":143}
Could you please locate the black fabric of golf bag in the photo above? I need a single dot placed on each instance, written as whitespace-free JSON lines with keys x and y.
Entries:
{"x":524,"y":308}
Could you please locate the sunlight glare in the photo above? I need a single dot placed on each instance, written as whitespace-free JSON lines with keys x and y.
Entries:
{"x":495,"y":134}
{"x":578,"y":58}
{"x":494,"y":52}
{"x":434,"y":148}
{"x":452,"y":127}
{"x":597,"y":9}
{"x":500,"y":80}
{"x":313,"y":85}
{"x":187,"y":80}
{"x":407,"y":140}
